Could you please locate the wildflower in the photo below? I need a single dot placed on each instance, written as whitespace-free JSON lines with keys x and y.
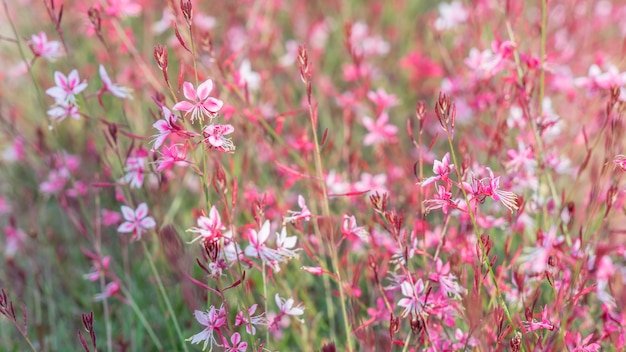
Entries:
{"x":40,"y":46}
{"x":14,"y":239}
{"x":303,"y":214}
{"x":412,"y":302}
{"x":67,"y":87}
{"x":236,"y":344}
{"x":135,"y":168}
{"x":209,"y":228}
{"x":246,"y":77}
{"x":109,"y":291}
{"x":534,"y":324}
{"x":258,"y":248}
{"x":285,"y":245}
{"x":382,"y":99}
{"x":109,"y":86}
{"x":171,"y":156}
{"x":442,"y":200}
{"x":286,"y":306}
{"x":165,"y":126}
{"x":315,"y":270}
{"x":201,"y":103}
{"x":379,"y":130}
{"x":450,"y":15}
{"x":98,"y":269}
{"x":509,"y":199}
{"x":447,"y":282}
{"x":110,"y":217}
{"x":214,"y":320}
{"x":441,"y":169}
{"x":137,"y":221}
{"x":242,"y":319}
{"x":214,"y":135}
{"x":350,"y":229}
{"x":584,"y":345}
{"x":15,"y":152}
{"x":60,"y":111}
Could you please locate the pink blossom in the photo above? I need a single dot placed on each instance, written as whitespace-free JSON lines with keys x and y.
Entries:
{"x":165,"y":126}
{"x":214,"y":136}
{"x":620,"y":161}
{"x":137,"y":221}
{"x":135,"y":169}
{"x":447,"y":281}
{"x":303,"y":214}
{"x":209,"y":228}
{"x":110,"y":217}
{"x":441,"y":169}
{"x":201,"y":103}
{"x":536,"y":259}
{"x":62,"y":110}
{"x":15,"y":152}
{"x":245,"y":77}
{"x":412,"y":302}
{"x":534,"y":325}
{"x":41,"y":46}
{"x":119,"y":8}
{"x":371,"y":183}
{"x":257,"y":247}
{"x":382,"y":99}
{"x":485,"y":64}
{"x":13,"y":241}
{"x":67,"y":87}
{"x":98,"y":269}
{"x":450,"y":15}
{"x":350,"y":229}
{"x":315,"y":270}
{"x":442,"y":200}
{"x":113,"y":88}
{"x":285,"y":245}
{"x":286,"y":306}
{"x":585,"y":345}
{"x":379,"y":131}
{"x":249,"y":320}
{"x":236,"y":344}
{"x":111,"y":289}
{"x":171,"y":156}
{"x":214,"y":320}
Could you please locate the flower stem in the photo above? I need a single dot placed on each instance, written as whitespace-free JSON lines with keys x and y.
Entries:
{"x":163,"y":293}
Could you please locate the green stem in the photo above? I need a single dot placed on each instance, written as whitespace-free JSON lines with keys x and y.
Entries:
{"x":164,"y":294}
{"x":142,"y":318}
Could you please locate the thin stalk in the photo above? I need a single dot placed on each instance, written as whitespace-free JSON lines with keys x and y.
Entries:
{"x":164,"y":294}
{"x":267,"y":331}
{"x":326,"y":213}
{"x":475,"y":226}
{"x":141,"y":317}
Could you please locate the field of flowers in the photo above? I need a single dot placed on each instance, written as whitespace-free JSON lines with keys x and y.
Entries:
{"x":336,"y":175}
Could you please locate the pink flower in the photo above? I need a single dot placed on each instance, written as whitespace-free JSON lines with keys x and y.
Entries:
{"x":14,"y":239}
{"x":534,"y":325}
{"x":137,"y":221}
{"x":214,"y":320}
{"x":412,"y":302}
{"x":492,"y":189}
{"x":382,"y":99}
{"x":202,"y":105}
{"x":63,"y":110}
{"x":303,"y":214}
{"x":536,"y":259}
{"x":245,"y":77}
{"x":236,"y":344}
{"x":118,"y":8}
{"x":447,"y":282}
{"x":441,"y":169}
{"x":315,"y":270}
{"x":250,"y":321}
{"x":379,"y":130}
{"x":98,"y":269}
{"x":214,"y":136}
{"x":165,"y":126}
{"x":350,"y":229}
{"x":110,"y":217}
{"x":109,"y":291}
{"x":286,"y":306}
{"x":585,"y":345}
{"x":442,"y":200}
{"x":67,"y":87}
{"x":135,"y":168}
{"x":170,"y":157}
{"x":209,"y":228}
{"x":258,"y":248}
{"x":40,"y":46}
{"x":109,"y":86}
{"x":450,"y":15}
